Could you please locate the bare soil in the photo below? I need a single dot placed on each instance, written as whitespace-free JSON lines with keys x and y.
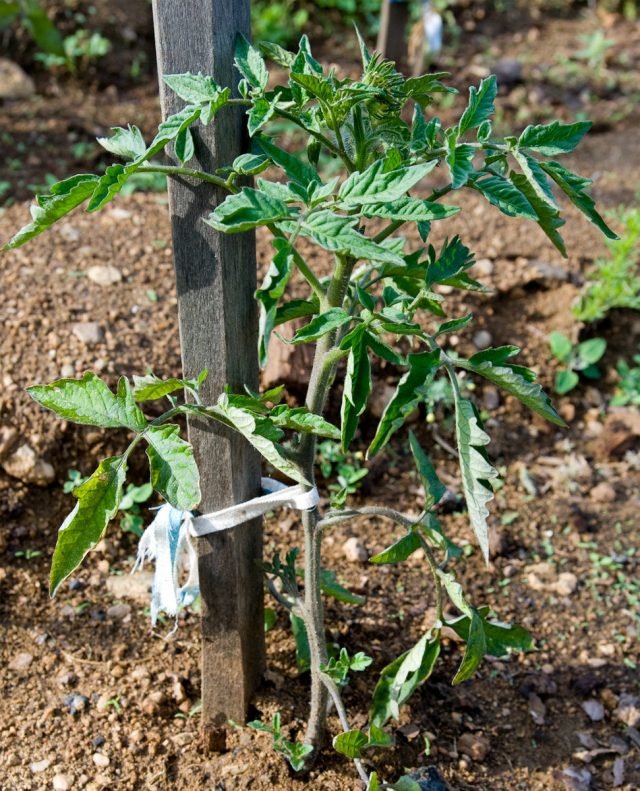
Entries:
{"x":134,"y":723}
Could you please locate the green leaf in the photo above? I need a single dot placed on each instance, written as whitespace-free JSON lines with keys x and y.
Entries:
{"x":460,"y":161}
{"x":399,"y":551}
{"x":261,"y":113}
{"x":246,"y":210}
{"x":475,"y":468}
{"x":89,"y":401}
{"x":554,"y":138}
{"x":351,"y":743}
{"x":43,"y":31}
{"x":337,"y":234}
{"x":535,"y":175}
{"x":301,"y":420}
{"x":592,"y":350}
{"x":168,"y":130}
{"x":174,"y":473}
{"x":98,"y":500}
{"x":326,"y":322}
{"x":565,"y":381}
{"x":376,"y":186}
{"x":408,"y":394}
{"x":109,"y":185}
{"x":330,"y":586}
{"x":410,"y":209}
{"x":193,"y":88}
{"x":560,"y":346}
{"x":277,"y":54}
{"x":303,"y":652}
{"x":64,"y":197}
{"x":504,"y":195}
{"x":400,"y":679}
{"x":315,"y":84}
{"x":475,"y":649}
{"x":434,"y":489}
{"x":208,"y":112}
{"x":420,"y":88}
{"x":127,"y":143}
{"x":500,"y":638}
{"x":296,"y":309}
{"x":357,"y":387}
{"x":151,"y":387}
{"x":294,"y":168}
{"x":270,"y":292}
{"x":453,"y":259}
{"x":261,"y":433}
{"x":573,"y":187}
{"x":250,"y":164}
{"x":406,"y":783}
{"x":184,"y":146}
{"x":525,"y":389}
{"x":373,"y":784}
{"x":548,"y":217}
{"x":250,"y":63}
{"x":480,"y":106}
{"x":454,"y":325}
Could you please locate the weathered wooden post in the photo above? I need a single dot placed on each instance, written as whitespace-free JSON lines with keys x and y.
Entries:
{"x":216,"y":277}
{"x":392,"y":38}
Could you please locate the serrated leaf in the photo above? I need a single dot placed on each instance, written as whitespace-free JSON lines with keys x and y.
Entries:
{"x":554,"y":138}
{"x":454,"y":258}
{"x":504,"y":195}
{"x":350,"y":743}
{"x":400,"y":679}
{"x":64,"y":197}
{"x":209,"y":110}
{"x":475,"y":649}
{"x":434,"y":489}
{"x":174,"y":473}
{"x":169,"y":129}
{"x":89,"y":401}
{"x":409,"y":393}
{"x":525,"y":389}
{"x":250,"y":164}
{"x":400,"y":550}
{"x":453,"y":325}
{"x":330,"y":586}
{"x":294,"y":168}
{"x":260,"y":113}
{"x":127,"y":143}
{"x":109,"y":185}
{"x":460,"y":161}
{"x":261,"y":433}
{"x":573,"y":187}
{"x":151,"y":387}
{"x":184,"y":146}
{"x":357,"y":387}
{"x":248,"y":209}
{"x":314,"y":84}
{"x":337,"y":234}
{"x":535,"y":175}
{"x":376,"y":186}
{"x":193,"y":88}
{"x":548,"y":217}
{"x":480,"y":106}
{"x":301,"y":420}
{"x":303,"y":652}
{"x":296,"y":309}
{"x":410,"y":209}
{"x":250,"y":63}
{"x":383,"y":351}
{"x":475,"y":468}
{"x":500,"y":637}
{"x":269,"y":294}
{"x":420,"y":88}
{"x":98,"y":500}
{"x":276,"y":53}
{"x":328,"y":321}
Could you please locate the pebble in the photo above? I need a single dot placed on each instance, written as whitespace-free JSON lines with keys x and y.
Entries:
{"x":76,"y":703}
{"x":483,"y":267}
{"x":490,"y":397}
{"x":118,"y":612}
{"x":8,"y":438}
{"x":39,"y":766}
{"x":576,"y":779}
{"x":594,"y":710}
{"x":25,"y":465}
{"x":603,"y":493}
{"x":380,"y":396}
{"x":354,"y":550}
{"x":67,"y":371}
{"x":104,"y":275}
{"x":474,"y":745}
{"x":21,"y":661}
{"x":67,"y":679}
{"x":101,"y":760}
{"x":62,"y":782}
{"x":15,"y":83}
{"x":482,"y":339}
{"x":131,"y":586}
{"x":628,"y":710}
{"x":88,"y":332}
{"x":566,"y":584}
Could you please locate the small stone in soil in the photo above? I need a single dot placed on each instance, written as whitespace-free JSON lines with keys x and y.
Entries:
{"x":628,"y":710}
{"x":67,"y":679}
{"x":575,"y":779}
{"x":97,"y":741}
{"x":354,"y":550}
{"x":101,"y":760}
{"x":482,"y":339}
{"x":88,"y":332}
{"x":39,"y":766}
{"x":21,"y":661}
{"x":104,"y":275}
{"x":62,"y":782}
{"x":118,"y":612}
{"x":594,"y":710}
{"x":76,"y":703}
{"x":475,"y":745}
{"x":25,"y":465}
{"x":603,"y":493}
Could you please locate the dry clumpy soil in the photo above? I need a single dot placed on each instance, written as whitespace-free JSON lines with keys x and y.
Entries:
{"x":92,"y":699}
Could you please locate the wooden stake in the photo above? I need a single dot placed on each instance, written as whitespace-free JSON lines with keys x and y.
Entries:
{"x":216,"y":279}
{"x":392,"y":38}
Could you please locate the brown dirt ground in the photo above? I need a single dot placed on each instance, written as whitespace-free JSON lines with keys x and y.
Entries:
{"x":588,"y":640}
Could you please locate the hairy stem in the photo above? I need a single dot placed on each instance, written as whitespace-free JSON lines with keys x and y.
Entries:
{"x":334,"y":692}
